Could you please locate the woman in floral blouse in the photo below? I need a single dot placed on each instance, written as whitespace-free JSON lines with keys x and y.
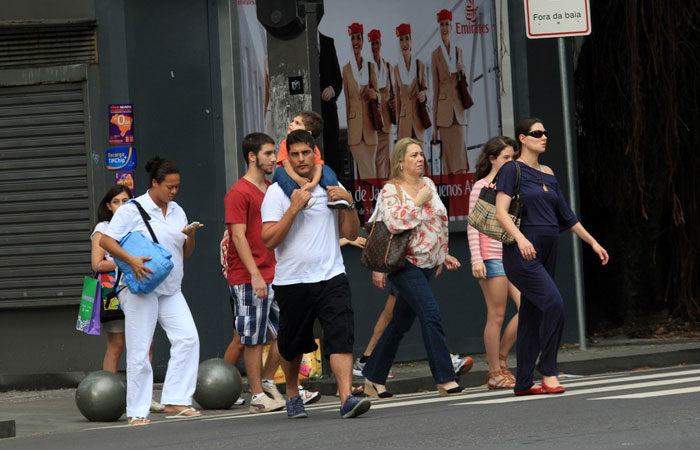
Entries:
{"x":409,"y":201}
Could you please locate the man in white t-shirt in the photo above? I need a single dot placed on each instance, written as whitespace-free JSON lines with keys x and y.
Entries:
{"x":310,"y":281}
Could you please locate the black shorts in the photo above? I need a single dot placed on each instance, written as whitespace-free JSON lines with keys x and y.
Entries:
{"x":300,"y":305}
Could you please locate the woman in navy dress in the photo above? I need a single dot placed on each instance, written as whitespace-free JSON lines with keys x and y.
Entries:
{"x":530,"y":263}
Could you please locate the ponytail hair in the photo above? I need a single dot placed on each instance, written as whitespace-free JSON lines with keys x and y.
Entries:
{"x":158,"y":168}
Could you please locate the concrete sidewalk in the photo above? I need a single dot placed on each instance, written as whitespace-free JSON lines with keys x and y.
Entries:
{"x":54,"y":411}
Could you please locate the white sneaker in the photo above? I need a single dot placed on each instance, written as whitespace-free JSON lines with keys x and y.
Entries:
{"x":310,"y":202}
{"x":338,"y":204}
{"x":456,"y":361}
{"x":156,"y":406}
{"x":240,"y":402}
{"x":357,"y":368}
{"x":265,"y":404}
{"x":272,"y":392}
{"x":309,"y":397}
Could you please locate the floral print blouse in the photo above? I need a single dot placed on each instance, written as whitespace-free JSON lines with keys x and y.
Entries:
{"x":427,"y":246}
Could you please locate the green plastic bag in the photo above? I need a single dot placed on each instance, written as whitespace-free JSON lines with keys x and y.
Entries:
{"x":87,"y":303}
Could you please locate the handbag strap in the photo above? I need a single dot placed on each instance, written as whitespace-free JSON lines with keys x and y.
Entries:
{"x":116,"y":291}
{"x":369,"y":76}
{"x":146,"y":218}
{"x":516,"y":192}
{"x":418,"y":75}
{"x":399,"y":193}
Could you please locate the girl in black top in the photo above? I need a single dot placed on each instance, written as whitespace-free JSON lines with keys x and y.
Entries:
{"x":530,"y":264}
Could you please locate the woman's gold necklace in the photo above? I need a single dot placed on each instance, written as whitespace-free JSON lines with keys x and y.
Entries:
{"x":544,"y":186}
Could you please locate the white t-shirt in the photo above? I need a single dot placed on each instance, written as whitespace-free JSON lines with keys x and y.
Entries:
{"x":311,"y":251}
{"x":167,"y":229}
{"x":101,"y":228}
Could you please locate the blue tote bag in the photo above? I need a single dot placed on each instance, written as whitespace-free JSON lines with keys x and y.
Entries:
{"x":136,"y":244}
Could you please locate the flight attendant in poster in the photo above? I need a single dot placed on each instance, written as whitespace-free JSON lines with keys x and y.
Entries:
{"x":450,"y":116}
{"x":384,"y":88}
{"x":358,"y":75}
{"x":411,"y":86}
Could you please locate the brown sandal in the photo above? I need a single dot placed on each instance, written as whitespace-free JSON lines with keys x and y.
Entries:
{"x":504,"y":382}
{"x":504,"y":367}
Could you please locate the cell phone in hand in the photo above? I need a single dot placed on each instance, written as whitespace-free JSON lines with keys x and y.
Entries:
{"x":192,"y":225}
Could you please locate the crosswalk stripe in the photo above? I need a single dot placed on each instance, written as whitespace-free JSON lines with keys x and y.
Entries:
{"x":582,"y":391}
{"x":626,"y":378}
{"x":651,"y":394}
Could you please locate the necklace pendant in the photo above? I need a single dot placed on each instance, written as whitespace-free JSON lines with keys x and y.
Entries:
{"x":544,"y":187}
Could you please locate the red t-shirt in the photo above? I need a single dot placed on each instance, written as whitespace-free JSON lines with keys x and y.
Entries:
{"x":282,"y":154}
{"x":242,"y":204}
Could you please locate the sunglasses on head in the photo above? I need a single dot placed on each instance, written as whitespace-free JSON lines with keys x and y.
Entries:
{"x":537,"y":133}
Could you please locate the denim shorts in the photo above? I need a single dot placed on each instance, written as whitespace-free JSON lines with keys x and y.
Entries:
{"x":494,"y":268}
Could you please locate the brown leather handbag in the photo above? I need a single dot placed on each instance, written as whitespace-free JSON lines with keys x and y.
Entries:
{"x":462,"y":89}
{"x":422,"y":107}
{"x":384,"y":251}
{"x":375,"y":111}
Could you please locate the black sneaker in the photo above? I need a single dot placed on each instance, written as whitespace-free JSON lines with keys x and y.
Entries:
{"x":339,"y":204}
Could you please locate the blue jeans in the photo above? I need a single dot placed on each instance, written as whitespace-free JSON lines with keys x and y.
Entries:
{"x":288,"y":185}
{"x":414,"y":299}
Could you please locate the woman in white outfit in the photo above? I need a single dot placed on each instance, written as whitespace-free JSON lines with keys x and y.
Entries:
{"x":165,"y":305}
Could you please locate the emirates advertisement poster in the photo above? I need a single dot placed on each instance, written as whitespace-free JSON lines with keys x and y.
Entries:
{"x":430,"y":67}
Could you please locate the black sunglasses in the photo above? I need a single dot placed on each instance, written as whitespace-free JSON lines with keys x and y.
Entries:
{"x":537,"y":133}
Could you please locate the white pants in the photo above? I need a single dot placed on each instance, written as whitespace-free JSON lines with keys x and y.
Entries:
{"x":171,"y":311}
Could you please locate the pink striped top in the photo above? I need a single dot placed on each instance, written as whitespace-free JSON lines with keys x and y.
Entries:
{"x":481,"y":246}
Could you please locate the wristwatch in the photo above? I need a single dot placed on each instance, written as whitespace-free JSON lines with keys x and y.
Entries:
{"x":352,"y":205}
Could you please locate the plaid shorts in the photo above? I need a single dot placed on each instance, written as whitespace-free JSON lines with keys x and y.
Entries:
{"x":253,"y":316}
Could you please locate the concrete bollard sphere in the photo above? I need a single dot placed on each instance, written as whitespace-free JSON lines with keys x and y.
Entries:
{"x":219,"y":384}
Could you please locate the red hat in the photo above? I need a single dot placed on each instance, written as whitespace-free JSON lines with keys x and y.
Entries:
{"x":374,"y":35}
{"x":403,"y":29}
{"x":445,"y":14}
{"x":356,"y":28}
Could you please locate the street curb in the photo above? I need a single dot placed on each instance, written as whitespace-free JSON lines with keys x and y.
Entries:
{"x":41,"y":381}
{"x":404,"y":383}
{"x":631,"y":362}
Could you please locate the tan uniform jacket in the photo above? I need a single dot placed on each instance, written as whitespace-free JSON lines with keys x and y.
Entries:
{"x":385,"y":100}
{"x":406,"y":103}
{"x":446,"y":101}
{"x":359,"y":123}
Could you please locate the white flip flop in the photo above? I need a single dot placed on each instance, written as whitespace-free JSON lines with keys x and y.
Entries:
{"x":183,"y":414}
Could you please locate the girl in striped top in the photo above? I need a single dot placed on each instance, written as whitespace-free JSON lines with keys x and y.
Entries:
{"x":487,"y":267}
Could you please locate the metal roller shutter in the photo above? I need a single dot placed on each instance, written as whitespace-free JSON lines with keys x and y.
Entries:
{"x":44,"y":199}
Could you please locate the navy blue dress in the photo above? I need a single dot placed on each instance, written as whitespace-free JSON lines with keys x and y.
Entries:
{"x":541,"y":315}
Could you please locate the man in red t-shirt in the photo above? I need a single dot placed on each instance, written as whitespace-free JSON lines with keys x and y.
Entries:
{"x":251,"y":268}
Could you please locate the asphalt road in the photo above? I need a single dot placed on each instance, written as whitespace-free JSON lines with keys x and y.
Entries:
{"x":655,"y":409}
